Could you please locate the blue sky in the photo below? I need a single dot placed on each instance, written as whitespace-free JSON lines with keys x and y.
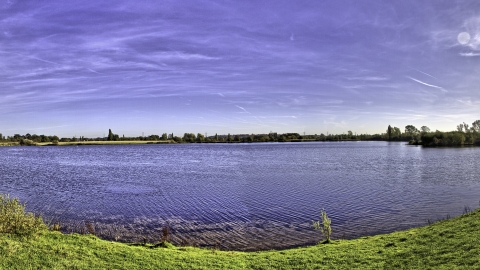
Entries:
{"x":78,"y":68}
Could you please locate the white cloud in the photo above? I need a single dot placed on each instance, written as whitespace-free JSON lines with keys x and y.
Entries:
{"x":469,"y":54}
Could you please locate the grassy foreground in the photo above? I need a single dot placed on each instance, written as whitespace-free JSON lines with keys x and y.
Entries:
{"x":448,"y":244}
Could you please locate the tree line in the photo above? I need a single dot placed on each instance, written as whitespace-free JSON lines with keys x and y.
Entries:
{"x":465,"y":134}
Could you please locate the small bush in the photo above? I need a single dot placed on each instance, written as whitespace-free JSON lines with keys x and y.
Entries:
{"x":27,"y":142}
{"x":14,"y":219}
{"x":324,"y":226}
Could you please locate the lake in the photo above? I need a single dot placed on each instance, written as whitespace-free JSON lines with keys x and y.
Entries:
{"x":242,"y":196}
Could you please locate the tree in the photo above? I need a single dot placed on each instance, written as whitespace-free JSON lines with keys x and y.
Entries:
{"x":425,"y":129}
{"x":164,"y":137}
{"x":200,"y":137}
{"x":216,"y":137}
{"x":189,"y":137}
{"x":460,"y":128}
{"x":229,"y":137}
{"x":110,"y":135}
{"x":397,"y":133}
{"x":476,"y":126}
{"x":411,"y":130}
{"x":389,"y":132}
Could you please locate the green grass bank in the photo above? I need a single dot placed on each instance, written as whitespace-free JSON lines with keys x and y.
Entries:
{"x":448,"y":244}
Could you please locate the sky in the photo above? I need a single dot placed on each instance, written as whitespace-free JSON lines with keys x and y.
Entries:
{"x":79,"y":68}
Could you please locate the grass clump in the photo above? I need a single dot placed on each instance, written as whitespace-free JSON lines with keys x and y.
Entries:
{"x":14,"y":219}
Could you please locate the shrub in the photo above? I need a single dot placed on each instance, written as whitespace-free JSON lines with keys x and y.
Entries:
{"x":14,"y":219}
{"x":27,"y":142}
{"x":324,"y":226}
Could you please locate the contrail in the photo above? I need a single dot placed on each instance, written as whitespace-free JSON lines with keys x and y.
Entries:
{"x":424,"y":73}
{"x":424,"y":83}
{"x":93,"y":71}
{"x":243,"y":109}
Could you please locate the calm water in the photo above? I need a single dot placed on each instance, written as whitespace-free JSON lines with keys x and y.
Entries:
{"x":242,"y":196}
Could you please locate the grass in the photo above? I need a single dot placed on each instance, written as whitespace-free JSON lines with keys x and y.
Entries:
{"x":448,"y":244}
{"x":9,"y":143}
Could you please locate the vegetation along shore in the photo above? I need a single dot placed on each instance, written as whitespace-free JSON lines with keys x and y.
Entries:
{"x":27,"y":243}
{"x":465,"y":134}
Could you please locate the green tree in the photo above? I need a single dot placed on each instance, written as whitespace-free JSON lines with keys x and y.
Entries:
{"x":229,"y":137}
{"x":411,"y":130}
{"x":397,"y":133}
{"x":189,"y":137}
{"x":425,"y":129}
{"x":200,"y":137}
{"x":164,"y":136}
{"x":110,"y":135}
{"x":476,"y":126}
{"x":389,"y":132}
{"x":216,"y":137}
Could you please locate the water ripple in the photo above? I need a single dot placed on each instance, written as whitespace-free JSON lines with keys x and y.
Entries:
{"x":242,"y":196}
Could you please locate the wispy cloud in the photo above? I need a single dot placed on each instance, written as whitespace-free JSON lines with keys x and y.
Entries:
{"x":369,"y":78}
{"x":61,"y":58}
{"x":91,"y":70}
{"x":469,"y":54}
{"x":468,"y":102}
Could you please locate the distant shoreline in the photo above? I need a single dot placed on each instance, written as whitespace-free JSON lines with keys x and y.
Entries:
{"x":220,"y":142}
{"x":162,"y":142}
